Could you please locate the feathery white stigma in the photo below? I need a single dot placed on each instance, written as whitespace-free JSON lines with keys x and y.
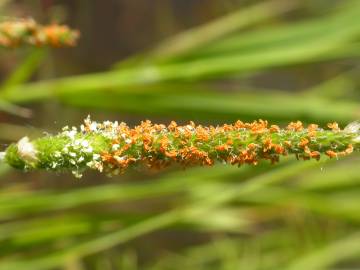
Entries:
{"x":27,"y":150}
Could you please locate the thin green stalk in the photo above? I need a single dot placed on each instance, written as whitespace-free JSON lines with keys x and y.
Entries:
{"x":326,"y":46}
{"x":205,"y":34}
{"x":327,"y":256}
{"x":59,"y":258}
{"x":25,"y":70}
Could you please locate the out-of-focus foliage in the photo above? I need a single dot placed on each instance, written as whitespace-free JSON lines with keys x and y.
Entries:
{"x":273,"y":60}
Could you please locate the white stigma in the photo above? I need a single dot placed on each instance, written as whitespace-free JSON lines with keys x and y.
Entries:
{"x":354,"y":128}
{"x":27,"y":150}
{"x":2,"y":156}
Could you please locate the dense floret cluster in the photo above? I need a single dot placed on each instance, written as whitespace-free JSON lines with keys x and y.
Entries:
{"x":113,"y":147}
{"x":14,"y":33}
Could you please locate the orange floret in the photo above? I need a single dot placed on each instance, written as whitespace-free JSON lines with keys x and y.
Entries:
{"x":303,"y":142}
{"x":172,"y":126}
{"x":267,"y":145}
{"x":223,"y":147}
{"x":315,"y":154}
{"x":279,"y":149}
{"x":312,"y":129}
{"x":239,"y":124}
{"x":252,"y":146}
{"x":295,"y":126}
{"x":171,"y":154}
{"x":334,"y":126}
{"x":274,"y":128}
{"x":331,"y":154}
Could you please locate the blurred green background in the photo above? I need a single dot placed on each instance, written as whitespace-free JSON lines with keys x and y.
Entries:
{"x":210,"y":61}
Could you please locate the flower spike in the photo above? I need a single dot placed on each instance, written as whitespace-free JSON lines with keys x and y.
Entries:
{"x":113,"y":147}
{"x":14,"y":33}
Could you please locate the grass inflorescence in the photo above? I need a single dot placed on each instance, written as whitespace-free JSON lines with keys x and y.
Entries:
{"x":113,"y":147}
{"x":17,"y":32}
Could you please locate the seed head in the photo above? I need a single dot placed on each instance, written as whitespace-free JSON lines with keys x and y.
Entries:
{"x":113,"y":147}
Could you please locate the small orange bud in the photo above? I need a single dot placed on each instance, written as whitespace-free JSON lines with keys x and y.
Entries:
{"x":334,"y":126}
{"x":295,"y":126}
{"x":331,"y":154}
{"x":274,"y":128}
{"x":303,"y":142}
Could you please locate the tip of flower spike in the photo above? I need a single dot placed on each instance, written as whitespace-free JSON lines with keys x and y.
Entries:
{"x":27,"y":150}
{"x":354,"y":128}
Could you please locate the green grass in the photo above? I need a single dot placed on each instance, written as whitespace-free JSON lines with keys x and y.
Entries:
{"x":252,"y":63}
